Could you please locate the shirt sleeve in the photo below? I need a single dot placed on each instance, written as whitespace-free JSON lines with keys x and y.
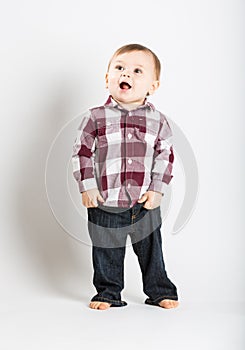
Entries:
{"x":161,"y":173}
{"x":83,"y":154}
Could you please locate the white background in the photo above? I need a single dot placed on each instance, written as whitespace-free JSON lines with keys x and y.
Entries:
{"x":54,"y":56}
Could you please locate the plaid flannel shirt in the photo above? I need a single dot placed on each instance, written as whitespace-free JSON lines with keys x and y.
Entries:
{"x":123,"y":153}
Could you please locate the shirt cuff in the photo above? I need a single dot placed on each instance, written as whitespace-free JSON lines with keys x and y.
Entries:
{"x":158,"y":186}
{"x":87,"y":184}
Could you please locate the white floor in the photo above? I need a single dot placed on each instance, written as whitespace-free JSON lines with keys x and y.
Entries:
{"x":55,"y":323}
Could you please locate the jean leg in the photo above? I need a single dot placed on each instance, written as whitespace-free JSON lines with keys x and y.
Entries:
{"x":108,"y":277}
{"x":156,"y":284}
{"x":108,"y":253}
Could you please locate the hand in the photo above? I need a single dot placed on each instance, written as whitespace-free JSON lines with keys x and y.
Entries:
{"x":90,"y":198}
{"x":152,"y":199}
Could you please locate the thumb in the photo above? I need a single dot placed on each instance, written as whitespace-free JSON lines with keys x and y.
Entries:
{"x":100,"y":198}
{"x":143,"y":198}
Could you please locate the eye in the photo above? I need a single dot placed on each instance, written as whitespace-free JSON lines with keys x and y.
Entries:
{"x":138,"y":70}
{"x":118,"y":67}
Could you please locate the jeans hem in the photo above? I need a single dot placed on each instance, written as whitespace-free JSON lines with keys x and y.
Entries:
{"x":117,"y":303}
{"x":157,"y":301}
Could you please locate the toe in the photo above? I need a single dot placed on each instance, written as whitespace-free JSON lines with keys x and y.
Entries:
{"x":99,"y":305}
{"x":93,"y":305}
{"x":104,"y":306}
{"x":169,"y":304}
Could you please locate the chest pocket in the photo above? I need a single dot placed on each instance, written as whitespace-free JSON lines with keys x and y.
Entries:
{"x":108,"y":131}
{"x":139,"y":124}
{"x":146,"y":130}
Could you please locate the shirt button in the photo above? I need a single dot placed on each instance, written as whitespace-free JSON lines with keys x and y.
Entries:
{"x":129,"y":136}
{"x":130,"y":161}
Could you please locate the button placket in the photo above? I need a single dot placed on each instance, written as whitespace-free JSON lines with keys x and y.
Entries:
{"x":128,"y":136}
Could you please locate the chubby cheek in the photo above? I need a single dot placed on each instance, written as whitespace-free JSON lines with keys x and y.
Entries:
{"x":113,"y":76}
{"x":113,"y":82}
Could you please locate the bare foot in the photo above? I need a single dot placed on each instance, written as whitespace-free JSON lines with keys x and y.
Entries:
{"x":168,"y":304}
{"x":99,"y":305}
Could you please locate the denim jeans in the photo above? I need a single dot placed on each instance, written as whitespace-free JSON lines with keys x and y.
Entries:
{"x":108,"y":229}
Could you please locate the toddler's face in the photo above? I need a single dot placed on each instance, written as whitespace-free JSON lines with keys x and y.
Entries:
{"x":131,"y":76}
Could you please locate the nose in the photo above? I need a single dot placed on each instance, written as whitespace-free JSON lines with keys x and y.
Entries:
{"x":126,"y":74}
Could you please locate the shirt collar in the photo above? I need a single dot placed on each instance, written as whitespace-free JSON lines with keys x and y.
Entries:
{"x":112,"y":103}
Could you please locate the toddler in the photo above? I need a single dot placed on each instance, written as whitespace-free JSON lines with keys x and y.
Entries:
{"x":122,"y":161}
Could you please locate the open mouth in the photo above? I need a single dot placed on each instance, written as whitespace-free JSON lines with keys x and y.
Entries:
{"x":125,"y":86}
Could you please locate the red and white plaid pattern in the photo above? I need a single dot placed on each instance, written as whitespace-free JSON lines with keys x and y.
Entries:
{"x":123,"y":153}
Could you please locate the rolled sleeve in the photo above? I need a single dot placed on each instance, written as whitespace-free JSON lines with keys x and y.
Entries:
{"x":83,"y":154}
{"x":161,"y":173}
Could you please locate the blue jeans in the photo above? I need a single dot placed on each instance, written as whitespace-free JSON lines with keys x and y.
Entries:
{"x":108,"y":229}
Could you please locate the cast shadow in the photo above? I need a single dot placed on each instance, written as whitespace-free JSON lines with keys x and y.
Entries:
{"x":59,"y":264}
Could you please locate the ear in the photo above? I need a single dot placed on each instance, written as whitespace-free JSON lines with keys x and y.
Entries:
{"x":106,"y":80}
{"x":155,"y":85}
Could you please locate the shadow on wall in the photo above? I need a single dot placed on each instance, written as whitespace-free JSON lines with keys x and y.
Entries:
{"x":58,"y":264}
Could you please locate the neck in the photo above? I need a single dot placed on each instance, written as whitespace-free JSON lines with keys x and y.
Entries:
{"x":130,"y":106}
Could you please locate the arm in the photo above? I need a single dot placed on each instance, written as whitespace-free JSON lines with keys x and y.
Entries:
{"x":161,"y":167}
{"x":83,"y":161}
{"x":163,"y":159}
